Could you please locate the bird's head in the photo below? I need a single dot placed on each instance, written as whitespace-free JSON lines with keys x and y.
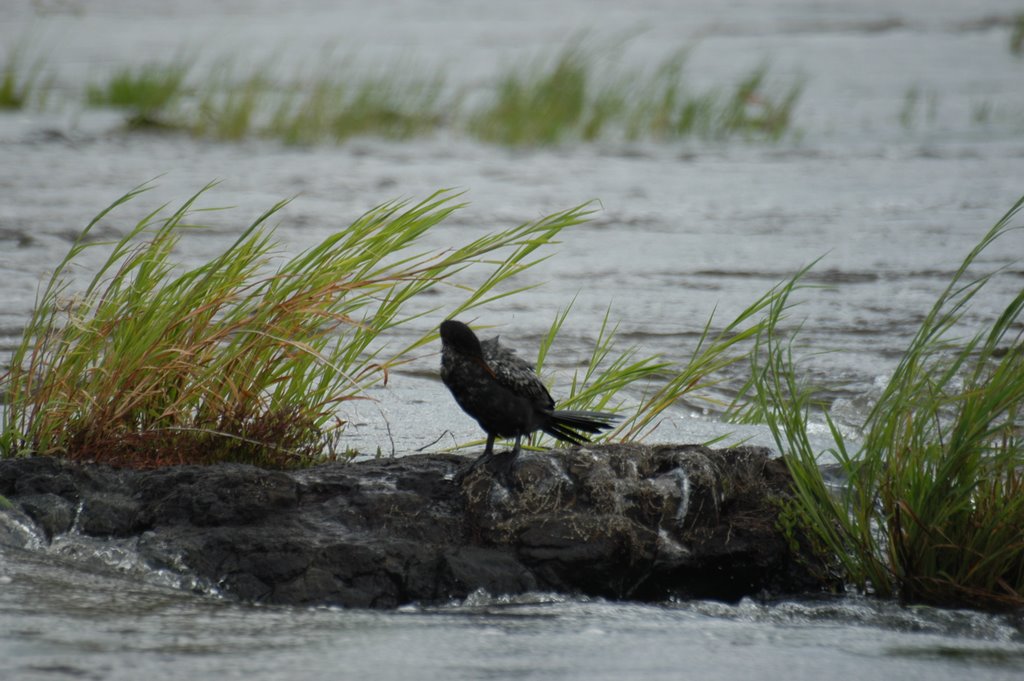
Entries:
{"x":460,"y":338}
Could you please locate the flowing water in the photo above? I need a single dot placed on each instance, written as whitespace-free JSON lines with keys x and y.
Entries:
{"x":908,"y":145}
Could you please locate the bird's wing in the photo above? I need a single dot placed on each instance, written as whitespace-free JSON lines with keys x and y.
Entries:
{"x":515,"y":373}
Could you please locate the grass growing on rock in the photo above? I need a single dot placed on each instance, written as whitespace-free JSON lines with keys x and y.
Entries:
{"x":235,"y":359}
{"x":151,"y":365}
{"x":248,"y":356}
{"x":933,"y":510}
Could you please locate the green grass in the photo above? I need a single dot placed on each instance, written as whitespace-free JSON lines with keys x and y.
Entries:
{"x":538,"y":107}
{"x":663,"y":107}
{"x":242,"y":358}
{"x":147,"y":92}
{"x":343,"y":105}
{"x":229,"y":109}
{"x":753,"y":109}
{"x":660,"y":383}
{"x":934,"y":507}
{"x":579,"y":95}
{"x":579,"y":98}
{"x":248,"y":357}
{"x":18,"y":83}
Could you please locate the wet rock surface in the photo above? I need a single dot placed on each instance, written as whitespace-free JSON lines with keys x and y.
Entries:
{"x":616,"y":521}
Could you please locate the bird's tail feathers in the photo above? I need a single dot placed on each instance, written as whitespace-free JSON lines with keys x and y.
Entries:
{"x":566,"y":423}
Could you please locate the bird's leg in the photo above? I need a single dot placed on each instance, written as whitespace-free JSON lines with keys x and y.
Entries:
{"x":515,"y":449}
{"x":480,"y":461}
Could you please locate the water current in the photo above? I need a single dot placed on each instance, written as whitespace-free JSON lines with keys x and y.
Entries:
{"x":908,"y":144}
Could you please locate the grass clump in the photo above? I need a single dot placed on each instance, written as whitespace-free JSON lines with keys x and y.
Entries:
{"x":17,"y":85}
{"x":664,"y":108}
{"x":146,"y":91}
{"x":574,"y":99}
{"x":336,"y":108}
{"x":235,"y":359}
{"x":934,"y":507}
{"x":229,"y":109}
{"x":752,"y":110}
{"x":541,"y":107}
{"x":577,"y":96}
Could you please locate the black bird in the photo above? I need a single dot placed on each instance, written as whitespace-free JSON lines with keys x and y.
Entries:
{"x":504,"y":394}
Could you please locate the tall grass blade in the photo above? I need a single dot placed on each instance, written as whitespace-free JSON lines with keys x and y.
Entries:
{"x":234,"y":359}
{"x":933,"y":510}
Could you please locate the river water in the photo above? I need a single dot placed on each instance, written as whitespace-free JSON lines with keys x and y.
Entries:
{"x":908,"y":145}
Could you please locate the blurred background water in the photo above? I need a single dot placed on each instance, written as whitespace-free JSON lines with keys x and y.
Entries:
{"x":907,"y":145}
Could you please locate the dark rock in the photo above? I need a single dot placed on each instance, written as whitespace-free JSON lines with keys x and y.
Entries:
{"x":109,"y":515}
{"x":228,"y":494}
{"x":619,"y":521}
{"x":52,"y":513}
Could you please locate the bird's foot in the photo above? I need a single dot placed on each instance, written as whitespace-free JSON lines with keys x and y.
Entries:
{"x":490,"y":463}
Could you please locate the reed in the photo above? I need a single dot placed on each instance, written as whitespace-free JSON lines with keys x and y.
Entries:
{"x":338,"y":104}
{"x":609,"y":371}
{"x":933,"y":510}
{"x":229,"y":110}
{"x":663,"y":106}
{"x":540,"y":106}
{"x":576,"y":96}
{"x":236,"y":359}
{"x":753,"y":109}
{"x":18,"y":83}
{"x":343,"y":104}
{"x":147,"y":92}
{"x":657,"y":384}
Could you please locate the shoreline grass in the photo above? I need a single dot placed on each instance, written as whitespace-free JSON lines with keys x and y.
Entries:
{"x":933,"y":511}
{"x":234,"y":359}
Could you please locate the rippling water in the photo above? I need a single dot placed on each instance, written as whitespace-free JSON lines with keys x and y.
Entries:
{"x":683,"y":230}
{"x":88,"y":609}
{"x":117,"y":629}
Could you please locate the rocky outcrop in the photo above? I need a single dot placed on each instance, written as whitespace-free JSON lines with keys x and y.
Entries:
{"x":617,"y":521}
